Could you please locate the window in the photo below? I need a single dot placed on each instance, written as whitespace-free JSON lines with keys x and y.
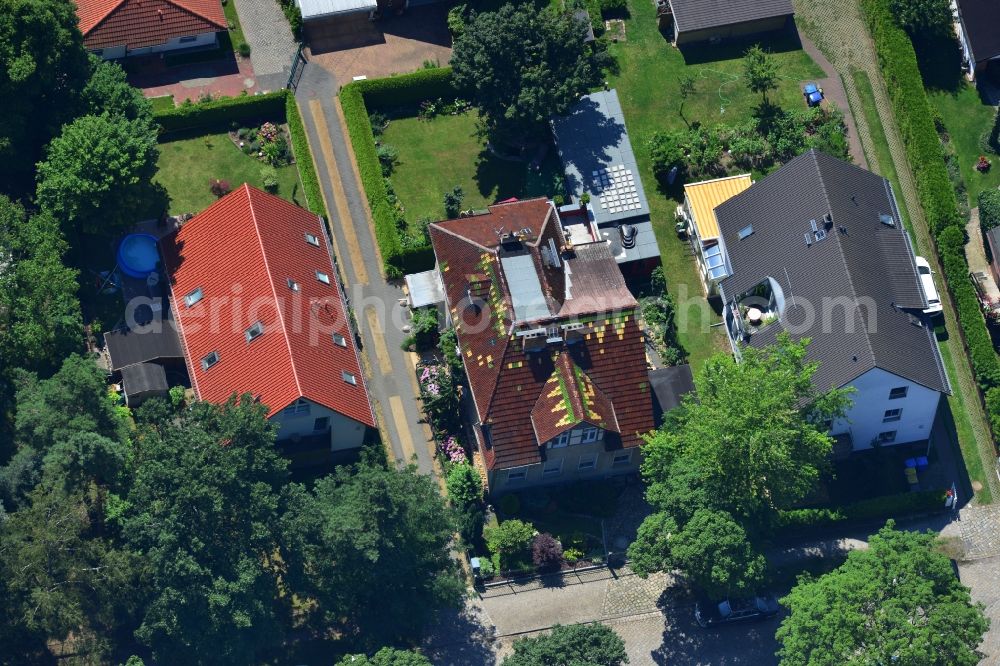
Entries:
{"x":322,"y":423}
{"x":300,"y":406}
{"x":98,"y":52}
{"x":339,"y":340}
{"x":887,"y":437}
{"x":193,"y":297}
{"x":587,"y":462}
{"x":560,"y":441}
{"x":515,"y":475}
{"x":209,"y":360}
{"x":589,"y":435}
{"x":323,"y":277}
{"x":188,"y":39}
{"x":622,"y":459}
{"x":892,"y":415}
{"x":898,"y":392}
{"x":293,"y":285}
{"x":349,"y":378}
{"x":746,"y":231}
{"x":254,"y":331}
{"x":312,"y":239}
{"x":552,"y":469}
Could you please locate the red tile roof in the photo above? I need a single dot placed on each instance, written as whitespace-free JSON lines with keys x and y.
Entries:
{"x":141,"y":23}
{"x":602,"y":364}
{"x":241,"y":251}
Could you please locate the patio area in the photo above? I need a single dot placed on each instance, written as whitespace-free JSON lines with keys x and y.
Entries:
{"x":225,"y":77}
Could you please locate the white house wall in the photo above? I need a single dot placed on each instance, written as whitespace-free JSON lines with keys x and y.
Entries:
{"x":345,"y":433}
{"x":864,"y":420}
{"x":201,"y":40}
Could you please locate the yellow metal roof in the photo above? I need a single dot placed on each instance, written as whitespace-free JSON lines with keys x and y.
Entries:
{"x":703,"y":197}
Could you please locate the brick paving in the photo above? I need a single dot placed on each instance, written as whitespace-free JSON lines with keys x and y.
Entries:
{"x":839,"y":31}
{"x":271,"y":43}
{"x":226,"y":77}
{"x":983,"y":578}
{"x":395,"y":45}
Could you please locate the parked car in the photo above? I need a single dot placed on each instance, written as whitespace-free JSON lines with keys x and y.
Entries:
{"x":710,"y":613}
{"x":813,"y":94}
{"x":927,"y":283}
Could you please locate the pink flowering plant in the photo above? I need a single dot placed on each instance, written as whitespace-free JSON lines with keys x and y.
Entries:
{"x":453,"y":450}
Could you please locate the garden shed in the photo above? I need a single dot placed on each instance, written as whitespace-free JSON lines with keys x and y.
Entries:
{"x":712,"y":20}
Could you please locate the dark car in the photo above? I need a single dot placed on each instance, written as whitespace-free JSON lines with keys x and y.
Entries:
{"x":713,"y":613}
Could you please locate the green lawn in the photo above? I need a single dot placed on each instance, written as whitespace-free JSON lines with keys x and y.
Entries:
{"x":966,"y":118}
{"x":162,"y":103}
{"x":438,"y":154}
{"x":648,"y":86}
{"x":881,"y":162}
{"x":187,"y":165}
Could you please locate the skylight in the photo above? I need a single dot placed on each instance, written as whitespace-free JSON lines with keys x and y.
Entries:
{"x":349,"y":378}
{"x":323,"y":277}
{"x":746,"y":231}
{"x":293,"y":285}
{"x":312,"y":239}
{"x":209,"y":360}
{"x":193,"y":297}
{"x":339,"y":340}
{"x":886,"y":219}
{"x":254,"y":331}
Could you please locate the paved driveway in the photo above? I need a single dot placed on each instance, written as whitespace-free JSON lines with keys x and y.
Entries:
{"x":394,"y":45}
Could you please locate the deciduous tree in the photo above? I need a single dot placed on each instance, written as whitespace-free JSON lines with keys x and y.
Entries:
{"x":715,"y":553}
{"x":43,"y":68}
{"x":523,"y":66}
{"x":108,"y":91}
{"x":760,"y":71}
{"x":95,"y":173}
{"x":577,"y":645}
{"x":386,"y":657}
{"x":898,"y":602}
{"x":371,"y":548}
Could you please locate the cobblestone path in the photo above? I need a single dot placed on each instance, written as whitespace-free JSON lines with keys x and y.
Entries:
{"x":271,"y":43}
{"x":838,"y":29}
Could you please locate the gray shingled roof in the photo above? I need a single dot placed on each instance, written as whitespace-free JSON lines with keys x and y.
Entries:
{"x":701,"y":14}
{"x":862,"y":261}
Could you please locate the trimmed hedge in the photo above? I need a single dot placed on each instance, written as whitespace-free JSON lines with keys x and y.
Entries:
{"x":393,"y":91}
{"x":303,"y":157}
{"x":898,"y":62}
{"x":989,"y":208}
{"x":221,"y":111}
{"x":876,"y":508}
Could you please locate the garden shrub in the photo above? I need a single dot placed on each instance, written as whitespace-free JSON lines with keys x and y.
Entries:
{"x":219,"y":187}
{"x":424,"y":329}
{"x":990,"y":141}
{"x":269,"y":177}
{"x":453,"y":202}
{"x":546,"y":552}
{"x":465,"y":488}
{"x":510,"y":504}
{"x":509,"y":540}
{"x":388,"y":157}
{"x":989,"y":209}
{"x":613,"y":8}
{"x":243,"y":49}
{"x":222,"y":111}
{"x":876,"y":508}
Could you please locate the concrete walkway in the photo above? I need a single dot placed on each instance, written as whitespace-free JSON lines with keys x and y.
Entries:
{"x":375,"y":302}
{"x":270,"y":38}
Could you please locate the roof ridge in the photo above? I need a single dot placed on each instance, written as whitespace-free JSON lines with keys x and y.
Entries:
{"x":115,"y":5}
{"x":437,"y":225}
{"x":270,"y":281}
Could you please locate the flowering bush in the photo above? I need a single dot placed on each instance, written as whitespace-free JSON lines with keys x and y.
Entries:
{"x":453,"y":450}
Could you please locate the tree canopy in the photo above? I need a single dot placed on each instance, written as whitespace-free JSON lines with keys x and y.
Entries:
{"x":391,"y":532}
{"x":923,"y":17}
{"x":752,"y":442}
{"x":898,"y":602}
{"x":386,"y":657}
{"x":204,"y":509}
{"x":96,"y":172}
{"x":108,"y":91}
{"x":43,"y":68}
{"x":760,"y":71}
{"x":523,"y":66}
{"x":577,"y":645}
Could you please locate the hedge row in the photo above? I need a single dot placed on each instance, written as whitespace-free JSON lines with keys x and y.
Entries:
{"x":394,"y":91}
{"x":898,"y":63}
{"x":222,"y":111}
{"x":876,"y":508}
{"x":303,"y":157}
{"x":989,"y":208}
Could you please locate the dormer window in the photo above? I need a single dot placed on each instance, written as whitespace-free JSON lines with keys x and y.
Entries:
{"x":254,"y":331}
{"x":312,"y":239}
{"x":193,"y":297}
{"x":209,"y":360}
{"x":323,"y":277}
{"x":349,"y":378}
{"x":293,"y":285}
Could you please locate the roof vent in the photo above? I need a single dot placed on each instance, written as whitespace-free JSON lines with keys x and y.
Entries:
{"x":886,"y":219}
{"x":809,"y":239}
{"x":828,"y":220}
{"x":629,"y":234}
{"x":842,"y":229}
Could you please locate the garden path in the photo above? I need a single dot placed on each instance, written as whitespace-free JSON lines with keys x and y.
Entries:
{"x":271,"y":42}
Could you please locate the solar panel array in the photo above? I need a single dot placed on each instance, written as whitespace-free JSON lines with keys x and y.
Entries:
{"x":617,"y":189}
